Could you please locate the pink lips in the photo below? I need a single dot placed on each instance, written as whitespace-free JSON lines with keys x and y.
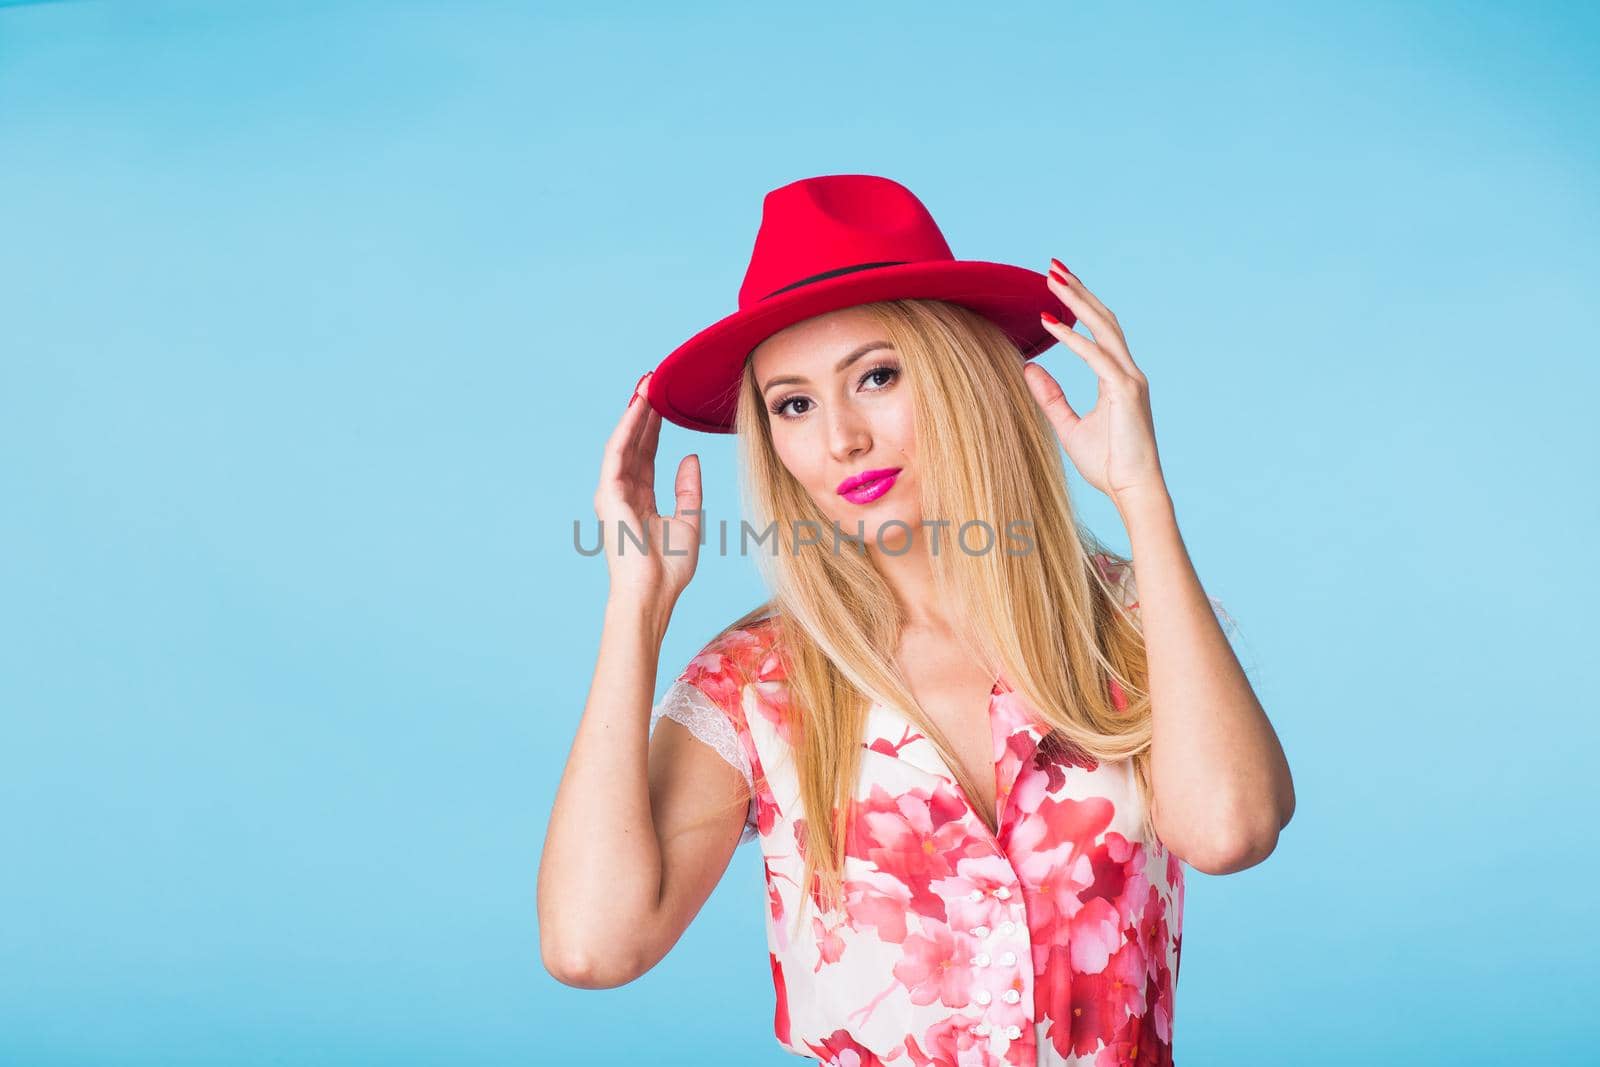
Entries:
{"x":868,"y":485}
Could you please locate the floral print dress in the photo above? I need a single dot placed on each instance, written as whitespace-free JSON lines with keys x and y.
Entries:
{"x":1052,"y":942}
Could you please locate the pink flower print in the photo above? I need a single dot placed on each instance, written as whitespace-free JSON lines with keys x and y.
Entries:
{"x":1109,"y":568}
{"x":1056,"y":749}
{"x":775,"y":908}
{"x":1152,"y":929}
{"x":1078,"y":821}
{"x":1095,"y":933}
{"x":999,"y":981}
{"x":780,"y":1018}
{"x":1122,"y":981}
{"x":1075,"y":1016}
{"x":913,"y":838}
{"x":1028,"y":789}
{"x":1052,"y":881}
{"x":768,"y":666}
{"x":1158,"y":997}
{"x":880,"y":902}
{"x":981,"y":875}
{"x":774,"y":898}
{"x":772,"y":705}
{"x":1010,"y":712}
{"x":766,"y":803}
{"x":1134,"y":1045}
{"x":714,"y":673}
{"x":1085,"y":1007}
{"x":936,"y":967}
{"x":1119,"y":876}
{"x":948,"y":1042}
{"x":830,"y":946}
{"x":1021,"y":1052}
{"x":839,"y":1049}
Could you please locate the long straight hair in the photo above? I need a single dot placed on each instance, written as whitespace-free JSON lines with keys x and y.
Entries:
{"x":1050,"y":619}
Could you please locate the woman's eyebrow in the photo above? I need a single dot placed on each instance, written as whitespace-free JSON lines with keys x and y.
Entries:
{"x":784,"y":379}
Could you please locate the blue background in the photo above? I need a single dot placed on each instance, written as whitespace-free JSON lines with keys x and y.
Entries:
{"x":315,"y":319}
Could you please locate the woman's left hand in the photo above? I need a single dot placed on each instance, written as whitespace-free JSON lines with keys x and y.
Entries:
{"x":1114,"y":445}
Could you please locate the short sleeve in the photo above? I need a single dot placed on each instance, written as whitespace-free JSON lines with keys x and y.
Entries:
{"x":1120,"y":575}
{"x":685,"y":703}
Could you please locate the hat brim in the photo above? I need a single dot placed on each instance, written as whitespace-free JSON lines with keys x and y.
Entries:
{"x":697,"y":385}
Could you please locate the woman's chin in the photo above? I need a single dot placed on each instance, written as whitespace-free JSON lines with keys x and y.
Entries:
{"x":888,"y":529}
{"x":882,"y":525}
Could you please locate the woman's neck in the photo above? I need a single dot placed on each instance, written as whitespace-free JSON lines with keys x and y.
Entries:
{"x":910,"y":575}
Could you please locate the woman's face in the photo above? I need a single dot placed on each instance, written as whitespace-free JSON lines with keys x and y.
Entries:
{"x":839,"y":407}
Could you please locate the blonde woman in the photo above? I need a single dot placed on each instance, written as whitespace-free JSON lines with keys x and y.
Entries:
{"x":975,"y":752}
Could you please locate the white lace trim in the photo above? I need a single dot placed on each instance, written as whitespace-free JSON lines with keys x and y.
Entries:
{"x":686,"y":704}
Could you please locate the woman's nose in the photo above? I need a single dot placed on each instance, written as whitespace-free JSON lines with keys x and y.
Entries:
{"x":848,"y":433}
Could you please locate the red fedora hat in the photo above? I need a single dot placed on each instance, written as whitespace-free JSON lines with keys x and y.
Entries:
{"x":831,"y":242}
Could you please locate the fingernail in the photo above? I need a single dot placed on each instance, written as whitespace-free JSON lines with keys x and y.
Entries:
{"x":1057,"y":276}
{"x":1058,"y":265}
{"x":636,"y":385}
{"x":1049,"y":317}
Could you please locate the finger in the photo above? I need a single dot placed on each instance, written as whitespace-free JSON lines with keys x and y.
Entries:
{"x":644,"y":449}
{"x":688,"y":493}
{"x":1092,"y":315}
{"x":620,"y":444}
{"x":1047,"y":391}
{"x":642,"y":463}
{"x":1101,"y":362}
{"x":641,"y":425}
{"x":1077,"y":286}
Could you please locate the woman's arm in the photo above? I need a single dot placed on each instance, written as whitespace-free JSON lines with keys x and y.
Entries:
{"x":1222,"y":783}
{"x":612,"y":897}
{"x":619,"y":881}
{"x":1222,"y":787}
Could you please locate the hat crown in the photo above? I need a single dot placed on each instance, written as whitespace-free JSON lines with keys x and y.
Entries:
{"x":833,"y":224}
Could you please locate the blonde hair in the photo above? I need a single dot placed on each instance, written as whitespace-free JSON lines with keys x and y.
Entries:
{"x":1047,"y":618}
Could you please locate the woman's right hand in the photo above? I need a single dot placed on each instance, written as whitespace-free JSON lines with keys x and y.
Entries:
{"x":626,"y":496}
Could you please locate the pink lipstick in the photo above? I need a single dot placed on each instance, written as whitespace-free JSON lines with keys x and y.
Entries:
{"x":868,"y":485}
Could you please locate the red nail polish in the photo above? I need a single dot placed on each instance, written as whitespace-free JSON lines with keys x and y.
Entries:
{"x":1058,"y":265}
{"x":1056,"y":276}
{"x":1049,"y":317}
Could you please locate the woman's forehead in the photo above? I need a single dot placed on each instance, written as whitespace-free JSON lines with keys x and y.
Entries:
{"x":813,"y":346}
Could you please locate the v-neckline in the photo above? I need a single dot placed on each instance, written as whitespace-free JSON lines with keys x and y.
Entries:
{"x":991,"y":771}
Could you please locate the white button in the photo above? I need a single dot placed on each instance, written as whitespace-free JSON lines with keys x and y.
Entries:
{"x":975,"y":896}
{"x":980,"y":931}
{"x":1002,"y":892}
{"x":982,"y":1029}
{"x":1008,"y":927}
{"x":1011,"y":996}
{"x":1013,"y":1032}
{"x":983,"y":996}
{"x":1008,"y":958}
{"x":981,"y":960}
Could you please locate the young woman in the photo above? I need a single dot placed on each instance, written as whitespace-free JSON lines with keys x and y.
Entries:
{"x":977,"y":756}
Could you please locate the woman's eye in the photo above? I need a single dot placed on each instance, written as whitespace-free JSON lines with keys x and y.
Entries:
{"x":875,"y":371}
{"x":884,"y":374}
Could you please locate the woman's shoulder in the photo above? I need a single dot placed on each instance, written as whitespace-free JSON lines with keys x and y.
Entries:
{"x":1118,"y":574}
{"x":745,"y":650}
